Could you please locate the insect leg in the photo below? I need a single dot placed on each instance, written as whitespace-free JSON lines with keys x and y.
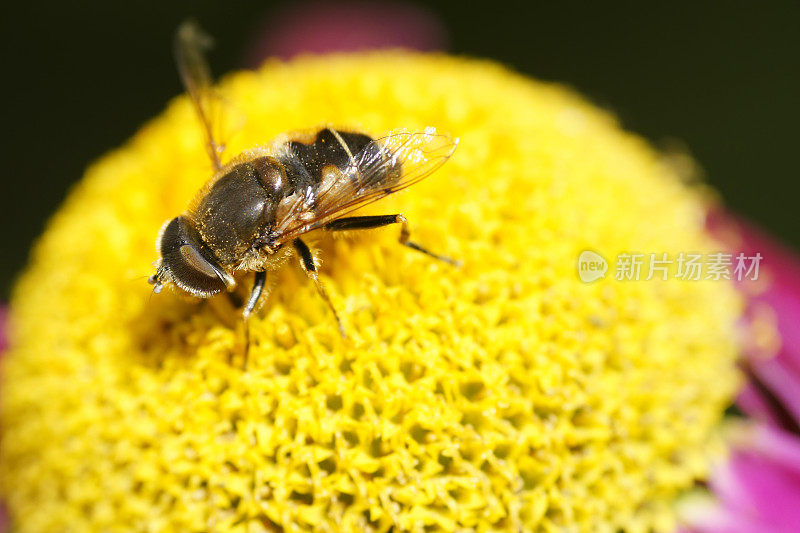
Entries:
{"x":255,"y":293}
{"x":307,"y":260}
{"x":377,"y":221}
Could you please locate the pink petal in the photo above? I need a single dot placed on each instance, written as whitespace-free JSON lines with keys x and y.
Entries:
{"x":758,"y":489}
{"x":320,"y":27}
{"x":783,"y":382}
{"x":778,"y":446}
{"x":761,"y":482}
{"x":3,"y":321}
{"x":755,"y":403}
{"x":774,"y":300}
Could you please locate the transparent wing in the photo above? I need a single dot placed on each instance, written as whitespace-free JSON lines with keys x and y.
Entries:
{"x":383,"y":167}
{"x":191,"y":43}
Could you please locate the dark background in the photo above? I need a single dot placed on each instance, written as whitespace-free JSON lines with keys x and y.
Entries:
{"x":723,"y":78}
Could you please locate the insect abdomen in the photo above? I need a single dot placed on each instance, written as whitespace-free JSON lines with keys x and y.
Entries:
{"x":305,"y":162}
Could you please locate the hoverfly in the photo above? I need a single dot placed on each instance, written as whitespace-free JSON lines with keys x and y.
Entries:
{"x":255,"y":210}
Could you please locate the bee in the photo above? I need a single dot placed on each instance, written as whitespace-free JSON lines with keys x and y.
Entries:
{"x":255,"y":210}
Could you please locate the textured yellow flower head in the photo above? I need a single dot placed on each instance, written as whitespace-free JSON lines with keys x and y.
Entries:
{"x":504,"y":395}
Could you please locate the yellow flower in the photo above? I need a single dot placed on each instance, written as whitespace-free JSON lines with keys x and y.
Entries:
{"x":506,"y":394}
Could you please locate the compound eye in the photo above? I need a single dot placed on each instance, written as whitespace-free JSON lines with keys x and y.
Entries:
{"x":194,"y":259}
{"x":193,"y":273}
{"x":185,"y":263}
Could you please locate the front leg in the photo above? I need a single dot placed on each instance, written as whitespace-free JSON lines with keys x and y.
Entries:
{"x":252,"y":301}
{"x":377,"y":221}
{"x":255,"y":294}
{"x":307,"y":261}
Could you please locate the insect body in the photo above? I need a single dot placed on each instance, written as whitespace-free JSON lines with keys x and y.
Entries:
{"x":255,"y":210}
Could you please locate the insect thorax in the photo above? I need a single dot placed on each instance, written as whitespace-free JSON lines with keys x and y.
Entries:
{"x":239,"y":207}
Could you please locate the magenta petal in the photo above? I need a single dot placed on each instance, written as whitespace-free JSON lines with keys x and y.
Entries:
{"x":3,"y":321}
{"x":778,"y":446}
{"x":763,"y":489}
{"x":782,"y":380}
{"x":319,"y":27}
{"x":775,"y":296}
{"x":760,"y":485}
{"x":757,"y":490}
{"x":754,"y":403}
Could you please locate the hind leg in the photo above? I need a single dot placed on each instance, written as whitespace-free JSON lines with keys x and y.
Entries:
{"x":307,"y":261}
{"x":377,"y":221}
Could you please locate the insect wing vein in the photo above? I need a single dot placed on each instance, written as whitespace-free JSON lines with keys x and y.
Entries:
{"x":369,"y":178}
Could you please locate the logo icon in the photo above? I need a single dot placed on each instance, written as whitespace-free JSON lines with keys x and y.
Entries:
{"x":591,"y":266}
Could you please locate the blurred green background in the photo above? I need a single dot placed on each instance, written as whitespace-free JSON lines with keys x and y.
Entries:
{"x":723,"y":79}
